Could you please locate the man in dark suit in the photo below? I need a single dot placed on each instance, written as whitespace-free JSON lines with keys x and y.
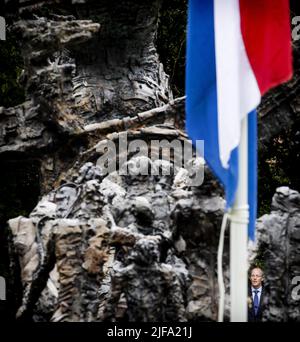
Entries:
{"x":256,"y":293}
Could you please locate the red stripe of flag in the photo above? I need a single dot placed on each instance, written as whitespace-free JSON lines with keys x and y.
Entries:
{"x":266,"y":32}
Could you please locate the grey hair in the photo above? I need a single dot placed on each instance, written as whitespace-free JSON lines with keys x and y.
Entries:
{"x":254,"y":267}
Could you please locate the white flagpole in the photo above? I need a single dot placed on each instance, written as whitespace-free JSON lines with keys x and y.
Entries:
{"x":239,"y":236}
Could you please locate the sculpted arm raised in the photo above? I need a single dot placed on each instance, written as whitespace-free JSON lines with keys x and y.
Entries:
{"x":39,"y":281}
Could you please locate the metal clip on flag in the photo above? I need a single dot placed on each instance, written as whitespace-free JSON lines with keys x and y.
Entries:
{"x":236,"y":51}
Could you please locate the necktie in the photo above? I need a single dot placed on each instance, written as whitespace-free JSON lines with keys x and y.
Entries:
{"x":256,"y":301}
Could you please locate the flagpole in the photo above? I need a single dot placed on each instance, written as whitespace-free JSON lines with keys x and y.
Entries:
{"x":239,"y":236}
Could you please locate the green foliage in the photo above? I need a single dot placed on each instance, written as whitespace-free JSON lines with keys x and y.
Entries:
{"x":171,"y":42}
{"x":19,"y":192}
{"x":277,"y":167}
{"x":11,"y":65}
{"x":19,"y":187}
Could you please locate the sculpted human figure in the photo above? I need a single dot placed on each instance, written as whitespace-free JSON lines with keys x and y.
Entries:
{"x":29,"y":238}
{"x":65,"y":197}
{"x":88,"y":172}
{"x":24,"y":235}
{"x":151,"y":288}
{"x":80,"y":250}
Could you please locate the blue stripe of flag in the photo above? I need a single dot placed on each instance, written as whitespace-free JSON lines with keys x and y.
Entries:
{"x":201,"y":103}
{"x":252,"y":172}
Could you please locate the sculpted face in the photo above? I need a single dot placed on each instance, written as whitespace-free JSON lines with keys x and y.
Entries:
{"x":184,"y":208}
{"x":146,"y":252}
{"x":88,"y":172}
{"x":256,"y":277}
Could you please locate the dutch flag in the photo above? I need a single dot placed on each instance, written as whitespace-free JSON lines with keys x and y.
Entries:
{"x":236,"y":51}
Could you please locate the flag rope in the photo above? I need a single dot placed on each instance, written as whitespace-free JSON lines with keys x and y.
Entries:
{"x":220,"y":269}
